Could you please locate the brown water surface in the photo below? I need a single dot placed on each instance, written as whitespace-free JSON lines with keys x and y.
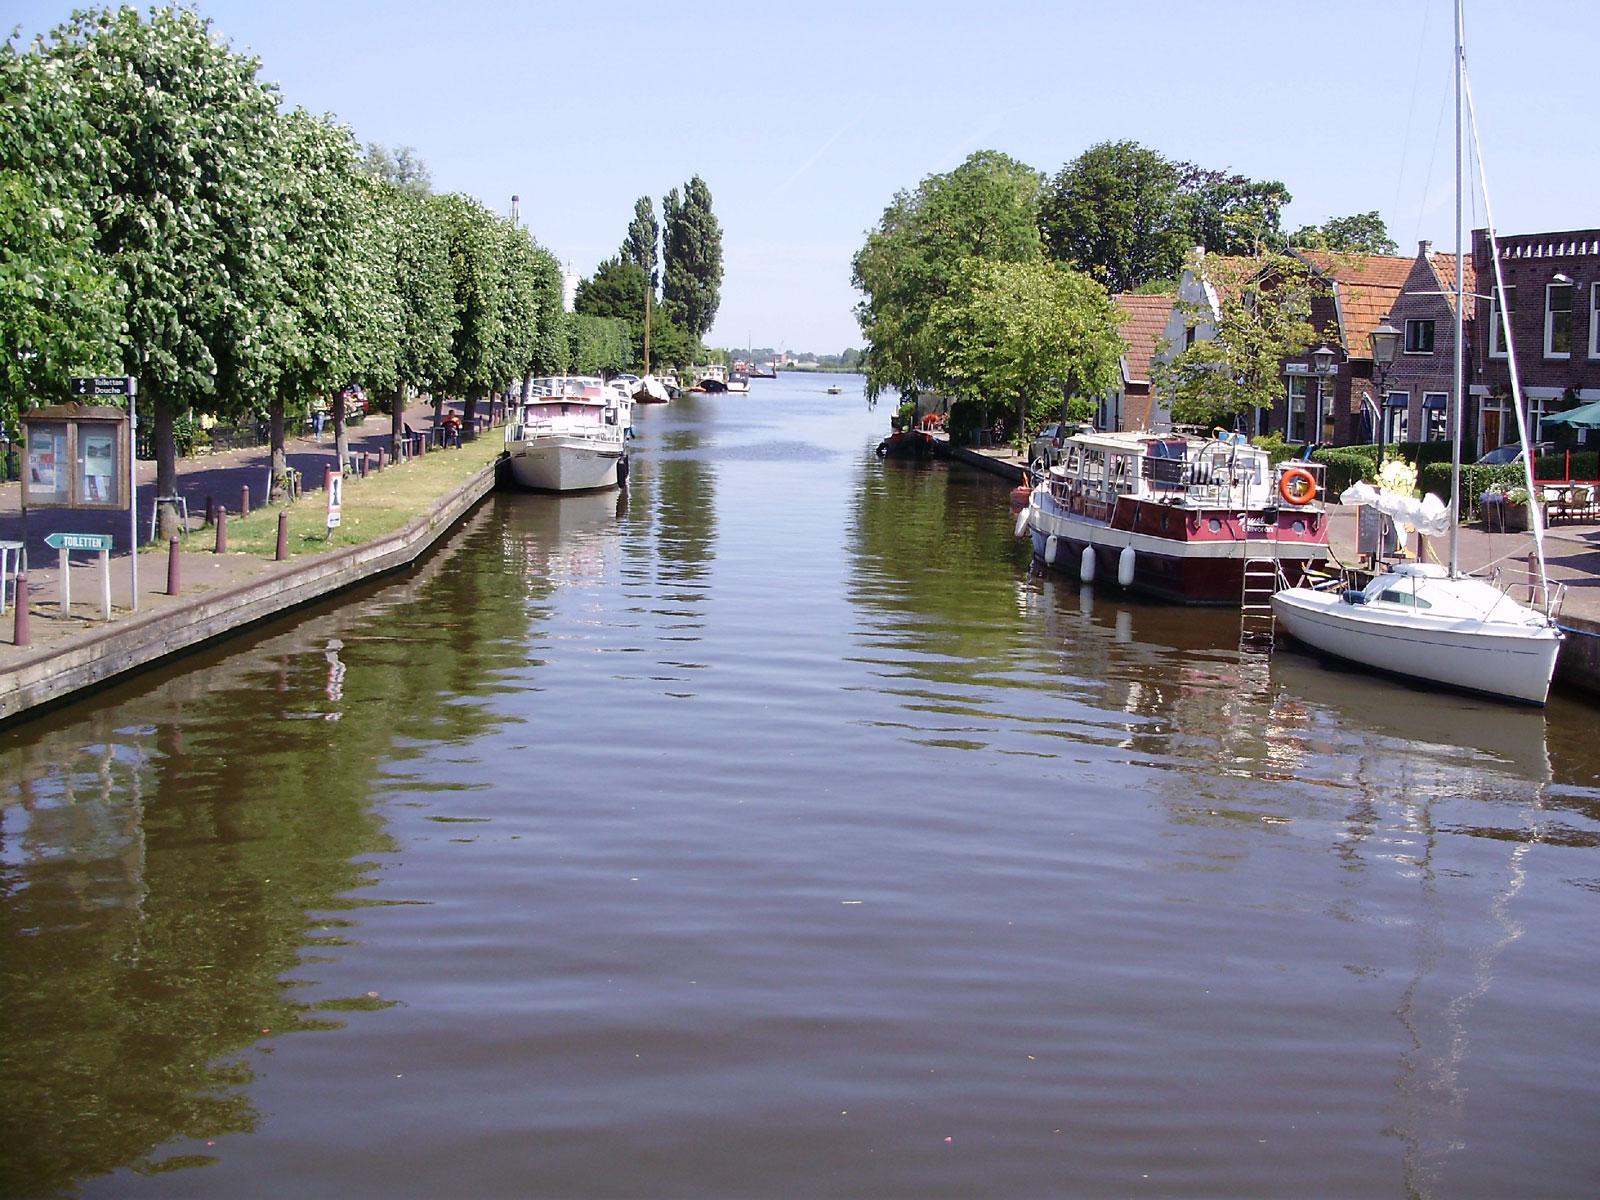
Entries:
{"x":773,"y":831}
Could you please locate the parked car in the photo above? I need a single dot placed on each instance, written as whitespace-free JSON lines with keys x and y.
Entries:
{"x":1046,"y":444}
{"x":1511,"y":452}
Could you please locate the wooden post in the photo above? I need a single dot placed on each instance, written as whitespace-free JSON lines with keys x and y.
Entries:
{"x":283,"y":534}
{"x":174,"y":577}
{"x":244,"y":501}
{"x":222,"y":529}
{"x":21,"y":635}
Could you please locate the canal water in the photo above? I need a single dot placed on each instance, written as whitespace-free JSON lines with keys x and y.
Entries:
{"x":775,"y":831}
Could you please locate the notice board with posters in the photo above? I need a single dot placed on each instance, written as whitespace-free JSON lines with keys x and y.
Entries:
{"x":76,"y":456}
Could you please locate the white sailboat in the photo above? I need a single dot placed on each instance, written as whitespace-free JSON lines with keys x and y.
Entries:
{"x":1423,"y":621}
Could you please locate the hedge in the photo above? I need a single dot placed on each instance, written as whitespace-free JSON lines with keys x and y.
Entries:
{"x":1345,"y":465}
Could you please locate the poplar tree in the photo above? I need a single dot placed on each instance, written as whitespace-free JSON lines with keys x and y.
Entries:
{"x":644,"y":233}
{"x":691,"y":287}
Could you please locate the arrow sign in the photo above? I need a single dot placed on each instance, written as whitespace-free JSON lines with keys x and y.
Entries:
{"x":78,"y":541}
{"x":105,"y":385}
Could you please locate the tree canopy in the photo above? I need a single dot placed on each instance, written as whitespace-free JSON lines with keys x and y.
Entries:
{"x":644,"y":233}
{"x":692,"y":282}
{"x":1023,"y":331}
{"x":1115,"y":212}
{"x":986,"y":208}
{"x":1363,"y":233}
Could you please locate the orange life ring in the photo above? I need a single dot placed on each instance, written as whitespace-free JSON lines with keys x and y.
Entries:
{"x":1297,"y":486}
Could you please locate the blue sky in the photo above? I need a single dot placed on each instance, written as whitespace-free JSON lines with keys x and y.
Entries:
{"x":805,"y":119}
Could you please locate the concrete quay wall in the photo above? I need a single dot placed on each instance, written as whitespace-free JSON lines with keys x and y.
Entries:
{"x":56,"y":674}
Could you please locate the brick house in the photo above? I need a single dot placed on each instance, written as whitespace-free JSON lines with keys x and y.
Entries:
{"x":1129,"y":407}
{"x":1553,"y":295}
{"x":1416,"y":402}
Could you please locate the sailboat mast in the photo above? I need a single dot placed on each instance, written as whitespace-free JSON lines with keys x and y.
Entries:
{"x":1461,"y":302}
{"x":649,"y":287}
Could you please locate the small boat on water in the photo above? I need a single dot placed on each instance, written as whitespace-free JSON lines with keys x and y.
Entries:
{"x":1176,"y":517}
{"x":834,"y":389}
{"x":906,"y":443}
{"x":570,"y":435}
{"x":651,"y":390}
{"x":739,"y":382}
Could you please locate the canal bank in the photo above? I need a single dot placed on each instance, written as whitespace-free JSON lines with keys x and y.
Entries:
{"x":233,"y":593}
{"x":1572,"y":557}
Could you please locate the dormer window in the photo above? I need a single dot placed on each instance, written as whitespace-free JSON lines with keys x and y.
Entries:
{"x":1419,"y":337}
{"x":1558,"y":320}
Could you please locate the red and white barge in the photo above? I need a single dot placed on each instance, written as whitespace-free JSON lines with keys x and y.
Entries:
{"x":1175,"y":517}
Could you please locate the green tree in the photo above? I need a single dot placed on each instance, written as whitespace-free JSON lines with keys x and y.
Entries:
{"x":1264,"y":319}
{"x":692,"y":282}
{"x":986,"y":208}
{"x":401,"y":167}
{"x":644,"y":233}
{"x":1115,"y":213}
{"x":420,"y":282}
{"x":179,"y":203}
{"x":531,"y":306}
{"x":60,"y":304}
{"x":1363,"y":233}
{"x":1019,"y":332}
{"x":600,"y":345}
{"x":1231,"y":214}
{"x":476,"y":270}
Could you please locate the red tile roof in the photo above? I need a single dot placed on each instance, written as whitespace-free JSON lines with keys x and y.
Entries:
{"x":1147,"y":321}
{"x":1445,"y":265}
{"x":1369,"y":284}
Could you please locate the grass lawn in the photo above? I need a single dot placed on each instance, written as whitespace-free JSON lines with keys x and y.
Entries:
{"x":379,"y":504}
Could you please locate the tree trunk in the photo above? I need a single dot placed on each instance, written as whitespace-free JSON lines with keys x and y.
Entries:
{"x":438,"y":410}
{"x":469,"y":411}
{"x":341,"y":437}
{"x":166,"y":466}
{"x":397,"y":421}
{"x":280,"y":456}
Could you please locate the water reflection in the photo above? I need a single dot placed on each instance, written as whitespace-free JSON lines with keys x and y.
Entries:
{"x":163,"y":874}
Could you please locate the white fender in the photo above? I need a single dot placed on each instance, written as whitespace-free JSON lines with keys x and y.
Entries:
{"x":1125,"y":562}
{"x":1022,"y":522}
{"x":1086,"y":565}
{"x":1051,"y":546}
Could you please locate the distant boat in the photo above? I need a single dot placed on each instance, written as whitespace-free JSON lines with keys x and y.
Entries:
{"x":739,"y":382}
{"x":651,"y":390}
{"x":834,"y":389}
{"x":569,"y":435}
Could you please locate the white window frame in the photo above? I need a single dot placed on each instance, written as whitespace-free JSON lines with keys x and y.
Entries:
{"x":1417,"y":323}
{"x":1396,"y":418}
{"x":1292,"y":408}
{"x":1436,"y":427}
{"x":1497,"y":344}
{"x":1550,"y":320}
{"x":1594,"y":320}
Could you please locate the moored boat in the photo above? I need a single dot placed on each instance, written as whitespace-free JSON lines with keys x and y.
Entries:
{"x":570,"y":435}
{"x":906,"y":443}
{"x":1175,"y":517}
{"x":739,"y":382}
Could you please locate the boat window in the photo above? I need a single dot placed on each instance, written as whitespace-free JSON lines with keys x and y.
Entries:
{"x":1411,"y":599}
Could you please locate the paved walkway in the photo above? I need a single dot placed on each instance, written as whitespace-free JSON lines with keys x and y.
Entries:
{"x":222,"y":476}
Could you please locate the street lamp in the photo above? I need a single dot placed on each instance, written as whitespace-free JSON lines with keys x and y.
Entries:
{"x":1322,"y":365}
{"x":1385,"y":344}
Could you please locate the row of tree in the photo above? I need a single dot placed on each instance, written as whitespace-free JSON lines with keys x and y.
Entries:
{"x":993,"y":283}
{"x":667,"y":300}
{"x":162,"y":216}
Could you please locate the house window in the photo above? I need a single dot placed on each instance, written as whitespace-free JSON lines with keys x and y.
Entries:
{"x":1499,"y":331}
{"x":1419,"y":337}
{"x":1188,"y":336}
{"x":1594,"y":320}
{"x":1435,"y":412}
{"x":1395,"y":425}
{"x":1298,"y":429}
{"x":1558,"y":320}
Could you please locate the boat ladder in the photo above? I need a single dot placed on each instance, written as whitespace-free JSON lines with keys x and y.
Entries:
{"x":1256,"y":623}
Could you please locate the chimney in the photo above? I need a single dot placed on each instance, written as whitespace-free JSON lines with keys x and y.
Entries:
{"x":1423,"y":247}
{"x":516,"y":210}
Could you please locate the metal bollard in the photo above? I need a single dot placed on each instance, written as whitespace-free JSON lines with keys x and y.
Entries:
{"x":327,"y":479}
{"x":283,"y":534}
{"x":222,"y":529}
{"x":364,"y":464}
{"x":211,"y":512}
{"x":174,"y":579}
{"x":244,"y":501}
{"x":20,"y":633}
{"x":382,"y":458}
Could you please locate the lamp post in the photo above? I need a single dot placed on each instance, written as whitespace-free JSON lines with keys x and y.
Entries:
{"x":1385,"y":343}
{"x":1322,"y":365}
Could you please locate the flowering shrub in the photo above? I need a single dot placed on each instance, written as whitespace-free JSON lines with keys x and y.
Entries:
{"x":1399,"y":477}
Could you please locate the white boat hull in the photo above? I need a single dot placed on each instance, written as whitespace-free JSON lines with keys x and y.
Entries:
{"x":1512,"y":662}
{"x":565,"y":464}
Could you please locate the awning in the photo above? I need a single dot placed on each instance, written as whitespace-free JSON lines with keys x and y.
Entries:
{"x":1396,"y":400}
{"x":1435,"y":401}
{"x":1585,"y":416}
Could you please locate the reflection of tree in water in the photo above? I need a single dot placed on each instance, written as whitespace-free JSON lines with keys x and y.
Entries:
{"x":685,"y":517}
{"x":171,"y":852}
